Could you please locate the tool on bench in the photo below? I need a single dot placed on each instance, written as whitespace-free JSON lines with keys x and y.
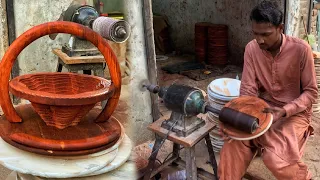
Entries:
{"x":115,"y":30}
{"x":242,"y":118}
{"x":187,"y":102}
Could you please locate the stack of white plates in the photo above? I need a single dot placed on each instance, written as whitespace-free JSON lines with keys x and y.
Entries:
{"x":220,"y":92}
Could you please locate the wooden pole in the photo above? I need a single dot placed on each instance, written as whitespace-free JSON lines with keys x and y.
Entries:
{"x":151,"y":55}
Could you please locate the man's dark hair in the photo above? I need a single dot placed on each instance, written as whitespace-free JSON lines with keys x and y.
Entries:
{"x":267,"y":12}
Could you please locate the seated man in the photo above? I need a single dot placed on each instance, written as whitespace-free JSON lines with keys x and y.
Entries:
{"x":280,"y":70}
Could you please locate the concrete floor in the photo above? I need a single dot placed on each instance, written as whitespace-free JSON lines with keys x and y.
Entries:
{"x":256,"y":168}
{"x":4,"y":172}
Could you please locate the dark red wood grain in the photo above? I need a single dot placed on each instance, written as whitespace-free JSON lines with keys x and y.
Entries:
{"x":35,"y":136}
{"x":51,"y":28}
{"x":61,"y":89}
{"x":61,"y":99}
{"x":69,"y":145}
{"x":252,"y":106}
{"x":56,"y":152}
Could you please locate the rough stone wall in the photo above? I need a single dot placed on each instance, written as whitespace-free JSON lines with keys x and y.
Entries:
{"x":140,"y":101}
{"x":3,"y":29}
{"x":38,"y":56}
{"x":183,"y":14}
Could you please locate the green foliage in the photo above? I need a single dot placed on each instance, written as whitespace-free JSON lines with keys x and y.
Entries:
{"x":310,"y":39}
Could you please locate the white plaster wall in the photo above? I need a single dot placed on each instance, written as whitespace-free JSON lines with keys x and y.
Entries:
{"x":293,"y":17}
{"x":38,"y":56}
{"x":140,"y":101}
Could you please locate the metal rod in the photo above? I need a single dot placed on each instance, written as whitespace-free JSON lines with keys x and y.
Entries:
{"x":157,"y":145}
{"x":209,"y":108}
{"x":212,"y":156}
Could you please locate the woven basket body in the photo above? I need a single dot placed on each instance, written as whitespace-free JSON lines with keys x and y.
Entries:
{"x":61,"y":99}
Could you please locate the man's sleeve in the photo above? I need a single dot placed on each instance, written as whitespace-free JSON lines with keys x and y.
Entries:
{"x":308,"y":83}
{"x":249,"y":85}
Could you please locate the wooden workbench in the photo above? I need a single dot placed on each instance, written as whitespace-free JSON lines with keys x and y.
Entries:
{"x":80,"y":63}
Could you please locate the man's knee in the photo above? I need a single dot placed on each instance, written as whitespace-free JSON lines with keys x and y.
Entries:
{"x":279,"y":167}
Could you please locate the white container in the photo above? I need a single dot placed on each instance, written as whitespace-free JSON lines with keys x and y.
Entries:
{"x":227,"y":87}
{"x":220,"y":92}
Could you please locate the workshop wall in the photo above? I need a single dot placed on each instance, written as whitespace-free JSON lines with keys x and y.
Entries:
{"x":140,"y":102}
{"x":304,"y":4}
{"x":183,"y":15}
{"x":38,"y":56}
{"x":112,"y":5}
{"x":3,"y":29}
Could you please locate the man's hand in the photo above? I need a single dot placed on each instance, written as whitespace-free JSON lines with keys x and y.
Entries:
{"x":277,"y":112}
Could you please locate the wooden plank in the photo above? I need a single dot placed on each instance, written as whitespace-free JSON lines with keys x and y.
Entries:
{"x":78,"y":59}
{"x":151,"y":55}
{"x":191,"y":166}
{"x":188,"y":141}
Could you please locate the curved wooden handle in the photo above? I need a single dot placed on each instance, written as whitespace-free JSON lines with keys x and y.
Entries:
{"x":51,"y":28}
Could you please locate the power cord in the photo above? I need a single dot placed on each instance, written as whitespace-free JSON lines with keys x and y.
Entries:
{"x":170,"y":154}
{"x":159,"y":161}
{"x":164,"y":139}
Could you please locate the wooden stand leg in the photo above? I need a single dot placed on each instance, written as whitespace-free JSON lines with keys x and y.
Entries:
{"x":191,"y":167}
{"x":212,"y":156}
{"x":59,"y":67}
{"x":87,"y":72}
{"x":175,"y":153}
{"x":176,"y":150}
{"x":152,"y":158}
